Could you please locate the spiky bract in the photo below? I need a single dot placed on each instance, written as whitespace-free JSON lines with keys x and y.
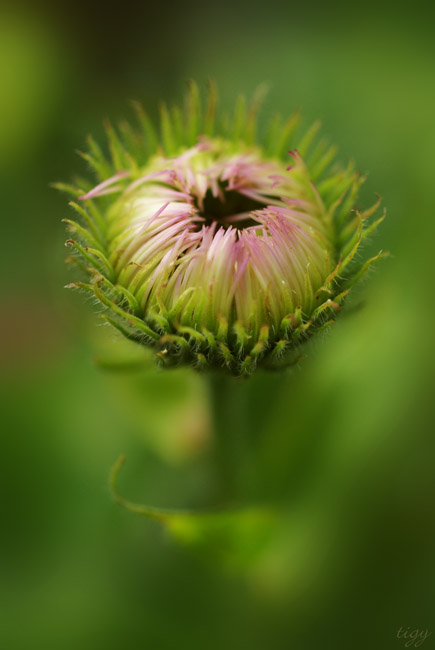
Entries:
{"x":201,"y":241}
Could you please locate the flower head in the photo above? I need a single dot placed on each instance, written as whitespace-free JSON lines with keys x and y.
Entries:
{"x":215,"y":247}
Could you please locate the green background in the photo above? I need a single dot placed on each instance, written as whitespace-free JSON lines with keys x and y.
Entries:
{"x":344,"y":443}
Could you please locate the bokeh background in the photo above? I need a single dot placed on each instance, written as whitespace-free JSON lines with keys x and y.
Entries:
{"x":345,"y":443}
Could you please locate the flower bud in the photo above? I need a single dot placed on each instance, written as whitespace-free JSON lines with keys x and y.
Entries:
{"x":216,"y":247}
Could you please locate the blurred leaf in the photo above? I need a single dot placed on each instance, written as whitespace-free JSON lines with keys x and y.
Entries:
{"x":235,"y":537}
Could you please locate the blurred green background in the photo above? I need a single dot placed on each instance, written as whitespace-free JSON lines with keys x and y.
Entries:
{"x":345,"y":443}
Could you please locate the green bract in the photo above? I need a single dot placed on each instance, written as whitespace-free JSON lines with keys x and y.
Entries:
{"x":214,"y":246}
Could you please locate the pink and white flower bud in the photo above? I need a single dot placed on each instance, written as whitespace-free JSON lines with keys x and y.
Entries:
{"x":220,"y":253}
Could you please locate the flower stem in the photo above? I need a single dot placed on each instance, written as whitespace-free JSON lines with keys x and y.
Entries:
{"x":229,"y":407}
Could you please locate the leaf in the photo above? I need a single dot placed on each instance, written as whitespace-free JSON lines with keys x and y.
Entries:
{"x":235,"y":536}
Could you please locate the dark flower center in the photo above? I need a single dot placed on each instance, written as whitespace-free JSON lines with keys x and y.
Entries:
{"x":229,"y":209}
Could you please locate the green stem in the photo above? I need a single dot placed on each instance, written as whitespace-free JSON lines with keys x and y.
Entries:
{"x":228,"y":399}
